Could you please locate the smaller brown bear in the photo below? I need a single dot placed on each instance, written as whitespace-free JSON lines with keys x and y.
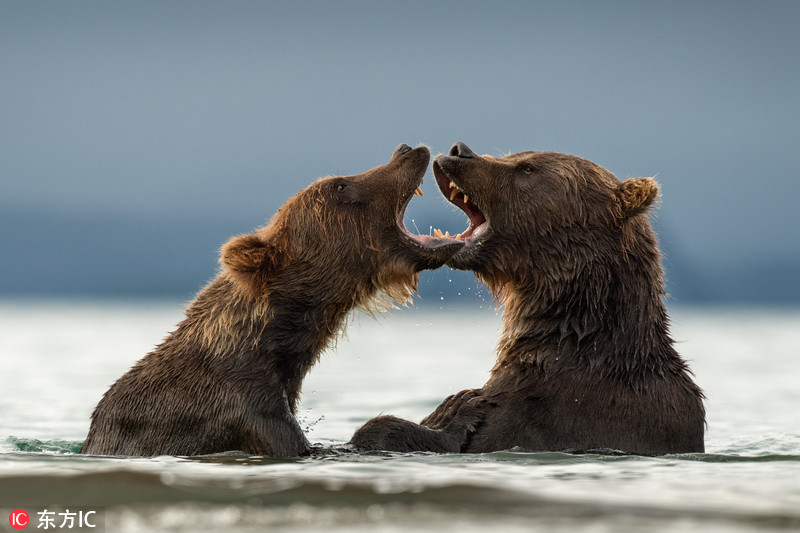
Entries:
{"x":585,"y":360}
{"x":229,"y":376}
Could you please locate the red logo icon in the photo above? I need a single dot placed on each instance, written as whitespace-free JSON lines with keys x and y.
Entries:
{"x":19,"y":519}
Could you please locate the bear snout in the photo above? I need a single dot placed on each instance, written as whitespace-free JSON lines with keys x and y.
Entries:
{"x":402,"y":149}
{"x":461,"y":150}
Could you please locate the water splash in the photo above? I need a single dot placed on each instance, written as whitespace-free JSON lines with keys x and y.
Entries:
{"x":17,"y":444}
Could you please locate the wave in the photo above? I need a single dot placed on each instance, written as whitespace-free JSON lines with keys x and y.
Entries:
{"x":146,"y":494}
{"x":498,"y":491}
{"x":14,"y":444}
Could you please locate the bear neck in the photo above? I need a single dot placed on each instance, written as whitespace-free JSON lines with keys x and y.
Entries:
{"x":278,"y":337}
{"x":609,"y":317}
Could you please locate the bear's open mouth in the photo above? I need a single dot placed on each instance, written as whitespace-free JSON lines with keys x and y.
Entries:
{"x":423,"y":241}
{"x":478,"y":223}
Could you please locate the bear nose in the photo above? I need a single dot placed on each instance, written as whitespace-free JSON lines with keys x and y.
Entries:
{"x":402,"y":149}
{"x":461,"y":150}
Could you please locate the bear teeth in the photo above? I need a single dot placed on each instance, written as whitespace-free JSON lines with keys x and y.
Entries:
{"x":418,"y":192}
{"x":454,"y":189}
{"x":445,"y":235}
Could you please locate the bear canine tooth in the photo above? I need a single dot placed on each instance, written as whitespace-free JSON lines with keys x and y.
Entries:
{"x":453,"y":194}
{"x":466,"y":198}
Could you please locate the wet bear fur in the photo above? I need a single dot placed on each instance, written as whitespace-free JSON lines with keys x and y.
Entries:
{"x":585,"y":360}
{"x":229,"y":377}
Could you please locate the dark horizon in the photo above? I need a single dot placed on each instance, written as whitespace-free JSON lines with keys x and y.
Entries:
{"x":126,"y":256}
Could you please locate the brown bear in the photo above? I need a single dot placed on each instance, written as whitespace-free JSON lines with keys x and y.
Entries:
{"x":229,"y":376}
{"x":585,"y":360}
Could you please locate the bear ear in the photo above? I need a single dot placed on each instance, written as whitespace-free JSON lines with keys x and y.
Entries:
{"x":246,"y":254}
{"x":636,"y":194}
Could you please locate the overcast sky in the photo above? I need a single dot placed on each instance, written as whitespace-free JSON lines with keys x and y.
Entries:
{"x":225,"y":109}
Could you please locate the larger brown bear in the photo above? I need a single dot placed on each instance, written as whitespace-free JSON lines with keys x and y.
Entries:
{"x":585,"y":360}
{"x":229,"y":376}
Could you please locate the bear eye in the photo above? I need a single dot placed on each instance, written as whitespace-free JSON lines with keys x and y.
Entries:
{"x":346,"y":193}
{"x":527,"y":168}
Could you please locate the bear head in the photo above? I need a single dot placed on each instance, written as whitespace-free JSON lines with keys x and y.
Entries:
{"x":343,"y":237}
{"x":542,"y":218}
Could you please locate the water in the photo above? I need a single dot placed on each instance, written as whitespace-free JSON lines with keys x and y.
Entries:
{"x":58,"y":357}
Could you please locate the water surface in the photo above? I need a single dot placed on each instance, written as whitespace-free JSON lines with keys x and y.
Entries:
{"x":58,"y":357}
